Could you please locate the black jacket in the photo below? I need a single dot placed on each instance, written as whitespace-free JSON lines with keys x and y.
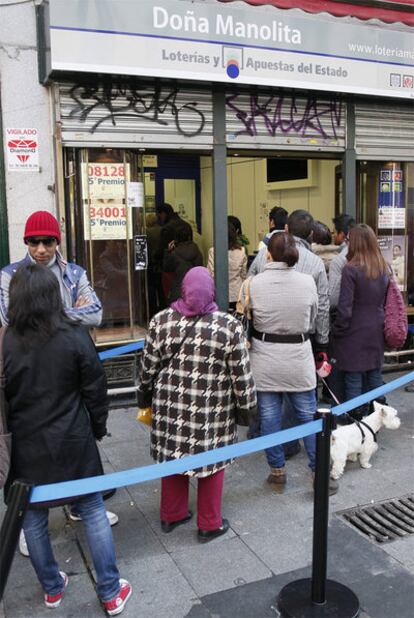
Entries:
{"x":57,"y":406}
{"x":179,"y":261}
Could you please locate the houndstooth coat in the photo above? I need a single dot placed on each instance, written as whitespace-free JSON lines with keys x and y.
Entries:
{"x":194,"y":394}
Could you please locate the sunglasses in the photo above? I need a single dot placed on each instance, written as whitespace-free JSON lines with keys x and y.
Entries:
{"x":47,"y":242}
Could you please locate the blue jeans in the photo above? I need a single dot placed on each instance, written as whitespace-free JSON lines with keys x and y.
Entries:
{"x":270,"y":409}
{"x":288,"y":421}
{"x":101,"y":546}
{"x":359,"y":382}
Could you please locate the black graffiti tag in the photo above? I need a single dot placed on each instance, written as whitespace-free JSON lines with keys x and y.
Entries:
{"x":284,"y":114}
{"x":156,"y":105}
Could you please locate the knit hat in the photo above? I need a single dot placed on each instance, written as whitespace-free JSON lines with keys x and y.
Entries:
{"x":42,"y":223}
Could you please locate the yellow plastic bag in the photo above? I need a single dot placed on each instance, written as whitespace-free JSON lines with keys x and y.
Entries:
{"x":145,"y":416}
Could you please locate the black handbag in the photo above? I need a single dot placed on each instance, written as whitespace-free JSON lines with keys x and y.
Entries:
{"x":243,"y":311}
{"x":5,"y":436}
{"x":245,"y":417}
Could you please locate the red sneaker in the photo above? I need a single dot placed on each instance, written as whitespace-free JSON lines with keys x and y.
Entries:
{"x":115,"y":606}
{"x":54,"y":600}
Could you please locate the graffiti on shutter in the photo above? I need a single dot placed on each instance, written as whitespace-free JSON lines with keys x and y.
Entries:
{"x":128,"y":111}
{"x":285,"y":120}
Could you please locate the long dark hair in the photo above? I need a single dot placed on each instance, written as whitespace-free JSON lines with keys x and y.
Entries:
{"x":364,"y":252}
{"x":233,"y":238}
{"x":235,"y":221}
{"x":35,"y":306}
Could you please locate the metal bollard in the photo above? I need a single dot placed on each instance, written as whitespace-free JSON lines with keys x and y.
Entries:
{"x":318,"y":597}
{"x":321,"y":506}
{"x":17,"y":503}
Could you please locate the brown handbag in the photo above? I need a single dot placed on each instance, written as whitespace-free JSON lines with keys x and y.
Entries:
{"x":5,"y":436}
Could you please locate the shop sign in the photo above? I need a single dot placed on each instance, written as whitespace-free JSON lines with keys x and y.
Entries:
{"x":106,"y":216}
{"x":150,"y":161}
{"x":231,"y":43}
{"x":391,"y":212}
{"x":22,"y":148}
{"x":393,"y":248}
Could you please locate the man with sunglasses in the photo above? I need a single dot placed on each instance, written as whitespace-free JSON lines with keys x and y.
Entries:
{"x":42,"y":237}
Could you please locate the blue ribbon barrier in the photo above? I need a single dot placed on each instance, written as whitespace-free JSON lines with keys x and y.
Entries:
{"x":58,"y":491}
{"x":376,"y":392}
{"x":123,"y":349}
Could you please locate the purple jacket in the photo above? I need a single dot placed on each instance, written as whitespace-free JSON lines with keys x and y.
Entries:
{"x":358,"y":331}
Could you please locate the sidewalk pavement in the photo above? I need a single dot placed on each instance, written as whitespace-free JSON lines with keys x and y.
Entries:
{"x":241,"y":573}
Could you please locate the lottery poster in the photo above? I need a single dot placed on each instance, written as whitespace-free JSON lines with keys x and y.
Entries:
{"x":106,"y":216}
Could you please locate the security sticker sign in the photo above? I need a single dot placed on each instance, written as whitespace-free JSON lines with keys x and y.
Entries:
{"x":22,"y":148}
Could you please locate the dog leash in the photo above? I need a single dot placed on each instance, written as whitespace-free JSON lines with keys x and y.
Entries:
{"x":334,"y":397}
{"x":358,"y":423}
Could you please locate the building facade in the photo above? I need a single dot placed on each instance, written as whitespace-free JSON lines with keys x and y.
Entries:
{"x":215,"y":107}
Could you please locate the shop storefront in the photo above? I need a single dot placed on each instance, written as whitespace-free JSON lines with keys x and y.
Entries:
{"x":251,"y":108}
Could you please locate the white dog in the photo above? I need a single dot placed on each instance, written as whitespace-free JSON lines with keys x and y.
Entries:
{"x":349,"y":443}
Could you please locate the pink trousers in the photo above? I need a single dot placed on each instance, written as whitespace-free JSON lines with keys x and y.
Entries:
{"x":174,"y":499}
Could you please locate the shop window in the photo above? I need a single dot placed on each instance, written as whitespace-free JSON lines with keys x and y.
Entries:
{"x":106,"y":207}
{"x":386,"y":204}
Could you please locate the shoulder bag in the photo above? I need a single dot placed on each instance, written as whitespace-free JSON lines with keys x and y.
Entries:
{"x":243,"y":312}
{"x":5,"y":436}
{"x":395,"y":317}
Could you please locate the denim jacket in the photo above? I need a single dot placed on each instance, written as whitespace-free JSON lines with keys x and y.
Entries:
{"x":73,"y":284}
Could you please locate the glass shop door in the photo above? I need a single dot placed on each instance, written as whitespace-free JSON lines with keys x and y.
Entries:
{"x":105,"y":223}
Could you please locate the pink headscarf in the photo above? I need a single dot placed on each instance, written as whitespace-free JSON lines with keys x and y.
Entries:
{"x":197,"y":293}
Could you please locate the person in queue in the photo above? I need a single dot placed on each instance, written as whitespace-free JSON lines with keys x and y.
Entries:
{"x":237,"y":264}
{"x":182,"y":255}
{"x":156,"y":299}
{"x":284,"y":304}
{"x":58,"y":407}
{"x":80,"y":302}
{"x":299,"y":225}
{"x":343,"y":224}
{"x":322,"y":243}
{"x":358,"y":330}
{"x":195,"y":372}
{"x":278,"y":217}
{"x":242,"y":239}
{"x":169,"y":220}
{"x":42,"y":238}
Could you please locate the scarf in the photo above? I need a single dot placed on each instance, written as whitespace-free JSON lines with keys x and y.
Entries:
{"x":197,"y":293}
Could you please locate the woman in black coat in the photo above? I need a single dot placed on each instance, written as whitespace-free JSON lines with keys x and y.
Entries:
{"x":358,"y":331}
{"x":182,"y":255}
{"x":56,"y":391}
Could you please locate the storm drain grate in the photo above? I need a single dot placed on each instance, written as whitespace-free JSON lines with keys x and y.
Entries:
{"x":384,"y":521}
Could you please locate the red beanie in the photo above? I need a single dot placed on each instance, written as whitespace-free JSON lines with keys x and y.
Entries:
{"x":42,"y":223}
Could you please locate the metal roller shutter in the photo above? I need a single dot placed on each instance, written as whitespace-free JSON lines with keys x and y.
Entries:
{"x":384,"y":132}
{"x":284,"y":122}
{"x":126,"y":115}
